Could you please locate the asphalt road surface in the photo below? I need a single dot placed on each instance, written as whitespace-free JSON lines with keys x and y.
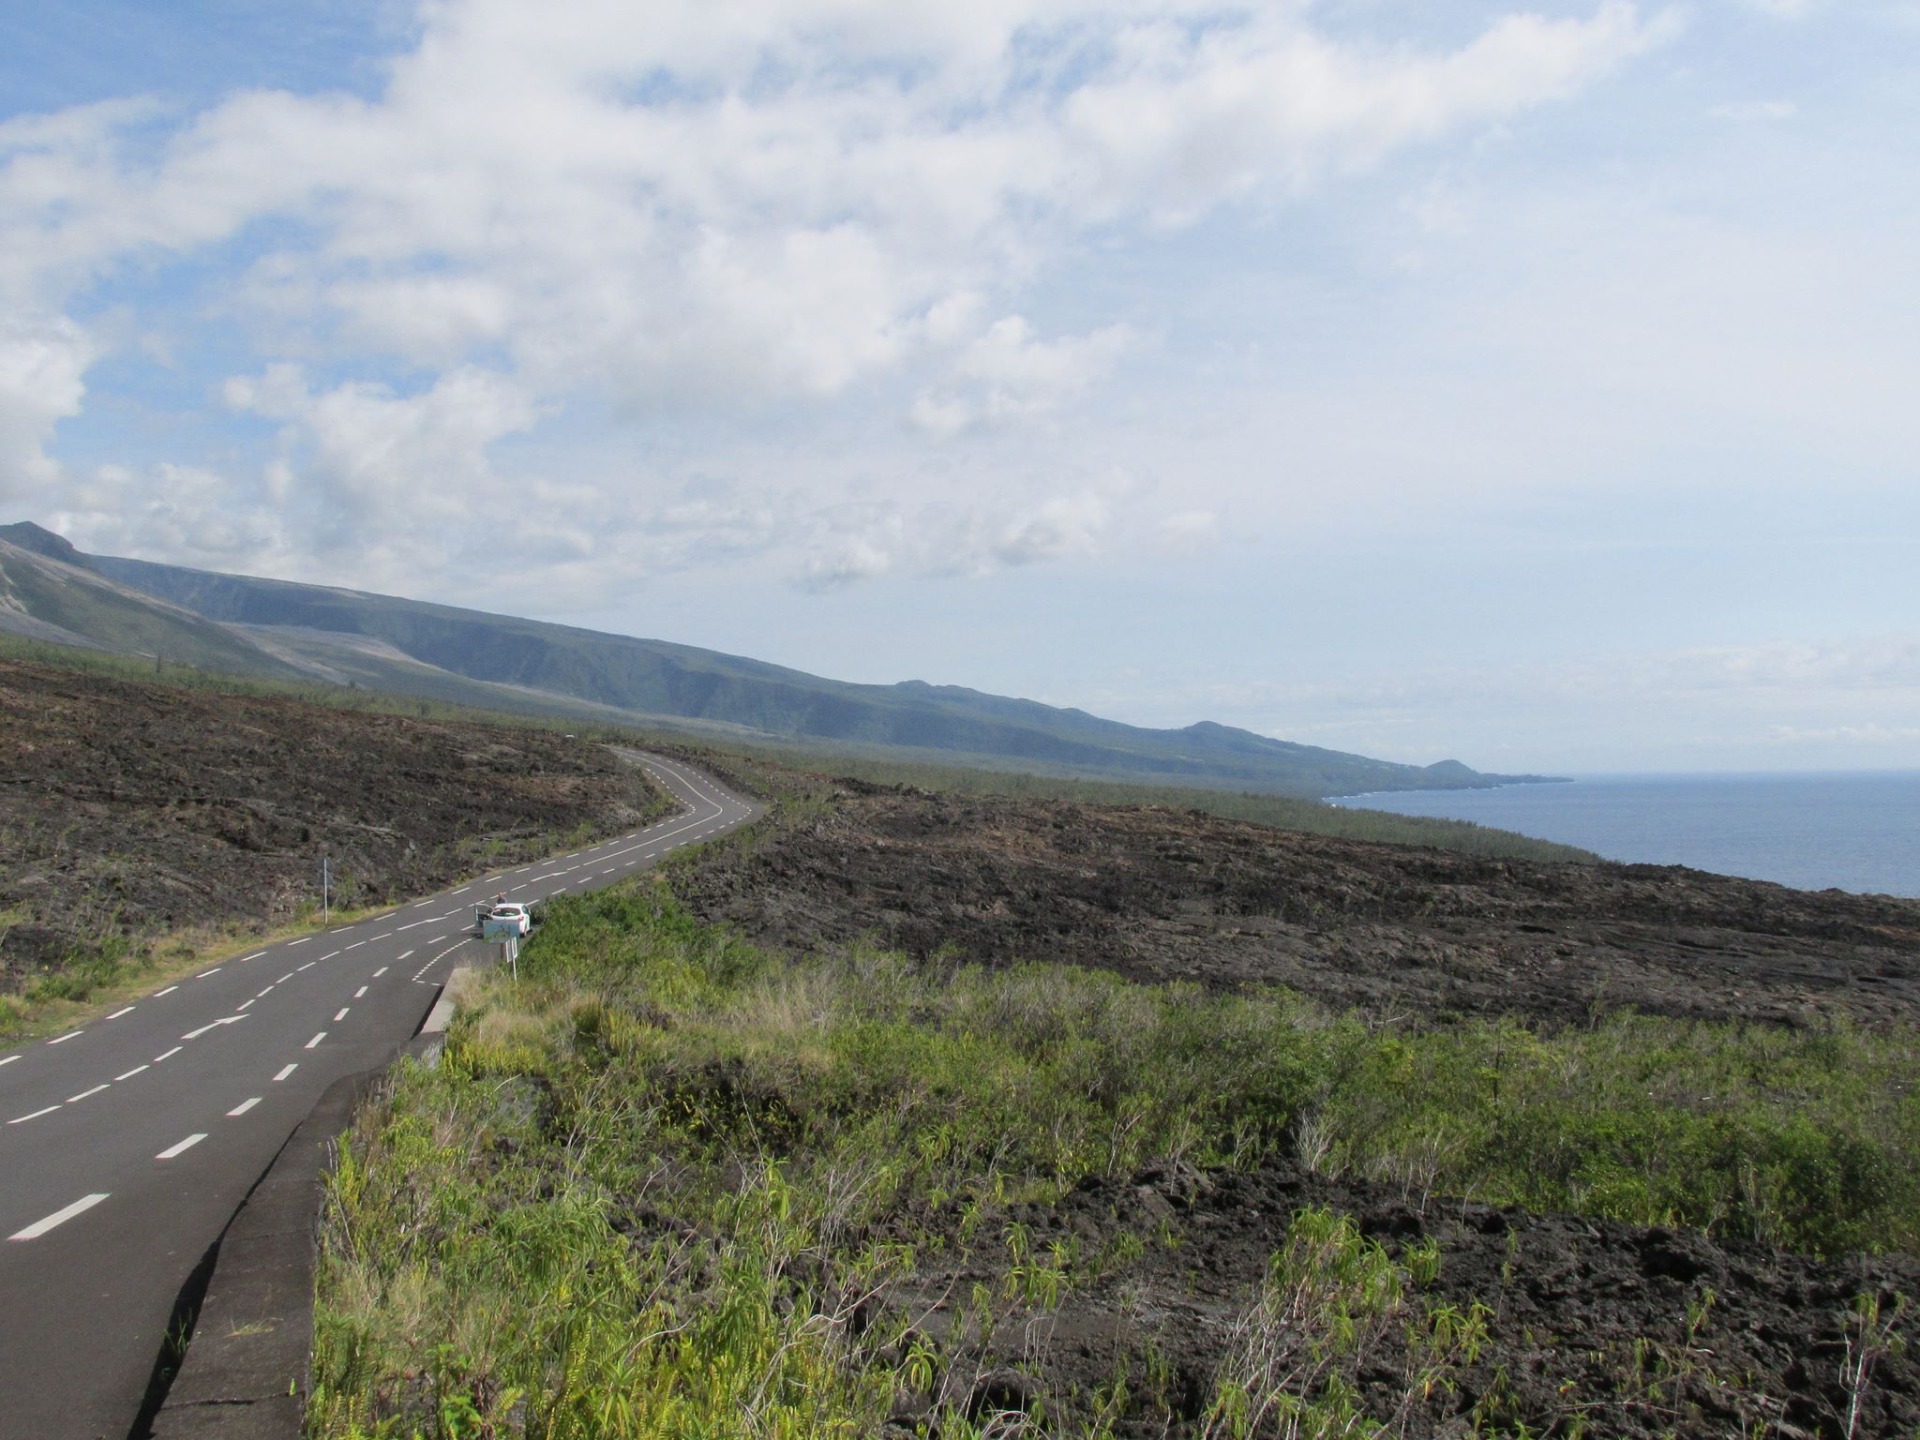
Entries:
{"x":127,"y":1145}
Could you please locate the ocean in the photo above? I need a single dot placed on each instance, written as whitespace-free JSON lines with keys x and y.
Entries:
{"x":1855,"y":831}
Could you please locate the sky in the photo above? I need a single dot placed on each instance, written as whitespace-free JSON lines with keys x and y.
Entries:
{"x":1530,"y":384}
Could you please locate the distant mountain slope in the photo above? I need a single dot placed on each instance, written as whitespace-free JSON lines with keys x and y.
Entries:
{"x":52,"y":599}
{"x":414,"y":647}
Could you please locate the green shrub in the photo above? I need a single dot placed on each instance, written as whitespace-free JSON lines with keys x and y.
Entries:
{"x":652,"y":1184}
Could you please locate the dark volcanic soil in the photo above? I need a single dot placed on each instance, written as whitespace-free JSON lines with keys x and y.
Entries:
{"x":1596,"y":1329}
{"x":131,"y":808}
{"x":1162,"y":895}
{"x":1622,"y":1330}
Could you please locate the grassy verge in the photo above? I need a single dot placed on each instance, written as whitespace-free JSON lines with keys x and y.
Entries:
{"x":668,"y":1185}
{"x":117,"y":968}
{"x":113,"y":967}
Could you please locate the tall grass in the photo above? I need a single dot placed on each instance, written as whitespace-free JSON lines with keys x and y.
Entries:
{"x":664,"y":1185}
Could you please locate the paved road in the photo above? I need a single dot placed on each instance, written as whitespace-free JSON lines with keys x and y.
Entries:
{"x":127,"y":1145}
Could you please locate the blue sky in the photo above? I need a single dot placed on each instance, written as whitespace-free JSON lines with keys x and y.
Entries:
{"x":1527,"y":384}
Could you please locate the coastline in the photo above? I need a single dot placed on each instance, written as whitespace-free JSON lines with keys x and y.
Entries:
{"x":1857,"y":831}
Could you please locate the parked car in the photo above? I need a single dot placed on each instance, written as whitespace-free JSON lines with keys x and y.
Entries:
{"x":505,"y":917}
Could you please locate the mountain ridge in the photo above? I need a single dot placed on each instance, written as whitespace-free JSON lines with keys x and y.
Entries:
{"x":279,"y":628}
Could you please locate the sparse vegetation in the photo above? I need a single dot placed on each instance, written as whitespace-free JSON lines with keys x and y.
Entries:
{"x":668,"y":1184}
{"x":1281,"y":811}
{"x":139,"y":818}
{"x":789,"y":767}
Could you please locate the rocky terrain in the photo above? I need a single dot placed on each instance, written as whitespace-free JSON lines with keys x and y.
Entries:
{"x":129,"y":809}
{"x":1591,"y":1327}
{"x":1160,"y":895}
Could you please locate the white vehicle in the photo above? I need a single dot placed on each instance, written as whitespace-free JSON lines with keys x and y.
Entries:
{"x":505,"y":916}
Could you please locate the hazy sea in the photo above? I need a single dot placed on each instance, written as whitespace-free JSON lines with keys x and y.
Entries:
{"x":1855,"y":831}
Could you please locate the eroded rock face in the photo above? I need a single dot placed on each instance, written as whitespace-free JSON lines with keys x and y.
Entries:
{"x":1161,"y":895}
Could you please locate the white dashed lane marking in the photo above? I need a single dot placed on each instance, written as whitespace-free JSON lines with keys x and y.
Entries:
{"x":285,"y":1071}
{"x":118,"y":1013}
{"x":185,"y":1145}
{"x":243,"y":1107}
{"x":59,"y":1217}
{"x":316,"y":1039}
{"x":131,"y":1073}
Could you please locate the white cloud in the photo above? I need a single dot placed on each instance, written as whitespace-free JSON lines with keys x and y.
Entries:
{"x":1008,"y":374}
{"x":378,"y":470}
{"x":679,"y":210}
{"x":43,"y":367}
{"x":1190,"y":530}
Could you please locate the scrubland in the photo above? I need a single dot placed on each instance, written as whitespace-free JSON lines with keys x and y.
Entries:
{"x":683,"y":1179}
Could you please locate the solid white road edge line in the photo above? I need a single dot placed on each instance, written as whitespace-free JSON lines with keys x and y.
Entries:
{"x":182,"y":1148}
{"x":59,"y":1217}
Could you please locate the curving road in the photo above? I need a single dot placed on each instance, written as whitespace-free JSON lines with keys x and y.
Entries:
{"x":127,"y":1145}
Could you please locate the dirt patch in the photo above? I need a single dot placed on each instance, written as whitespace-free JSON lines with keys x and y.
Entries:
{"x":128,"y":809}
{"x":1160,"y":895}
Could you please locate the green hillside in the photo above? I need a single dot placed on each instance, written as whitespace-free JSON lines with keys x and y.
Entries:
{"x":442,"y":652}
{"x":70,"y":604}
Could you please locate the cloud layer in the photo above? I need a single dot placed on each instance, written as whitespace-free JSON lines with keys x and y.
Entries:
{"x":685,"y":222}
